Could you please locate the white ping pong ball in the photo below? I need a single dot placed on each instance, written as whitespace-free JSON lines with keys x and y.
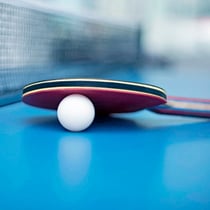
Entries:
{"x":76,"y":112}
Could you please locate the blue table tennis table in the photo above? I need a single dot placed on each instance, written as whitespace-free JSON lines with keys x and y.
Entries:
{"x":138,"y":160}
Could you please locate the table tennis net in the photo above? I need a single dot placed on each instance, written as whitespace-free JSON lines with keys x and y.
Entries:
{"x":37,"y":44}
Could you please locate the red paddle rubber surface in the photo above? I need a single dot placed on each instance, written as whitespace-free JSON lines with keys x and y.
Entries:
{"x":105,"y":100}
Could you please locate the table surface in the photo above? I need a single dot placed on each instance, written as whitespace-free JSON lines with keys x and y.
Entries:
{"x":139,"y":160}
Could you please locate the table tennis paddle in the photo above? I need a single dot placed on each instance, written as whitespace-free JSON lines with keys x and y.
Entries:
{"x":113,"y":96}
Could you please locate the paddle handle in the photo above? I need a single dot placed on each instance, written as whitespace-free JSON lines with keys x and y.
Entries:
{"x":184,"y":106}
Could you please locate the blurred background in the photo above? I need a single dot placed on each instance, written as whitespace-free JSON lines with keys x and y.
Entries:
{"x":46,"y":39}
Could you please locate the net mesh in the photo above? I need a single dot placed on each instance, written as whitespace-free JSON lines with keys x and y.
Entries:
{"x":37,"y":45}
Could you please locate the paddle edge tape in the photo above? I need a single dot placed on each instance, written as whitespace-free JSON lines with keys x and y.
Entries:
{"x":95,"y":83}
